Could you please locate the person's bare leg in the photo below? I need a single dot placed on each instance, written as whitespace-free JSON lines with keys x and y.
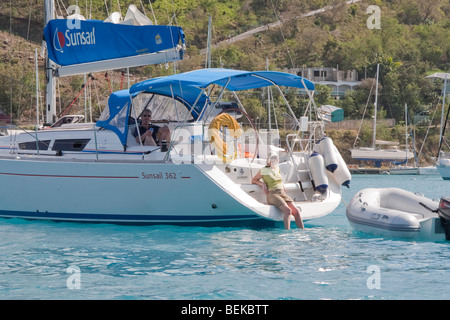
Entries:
{"x":296,"y":213}
{"x":149,"y":141}
{"x":164,"y":134}
{"x":287,"y":215}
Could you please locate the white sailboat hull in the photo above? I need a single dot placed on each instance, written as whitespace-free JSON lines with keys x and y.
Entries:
{"x":444,"y":171}
{"x":380,"y":154}
{"x":103,"y":174}
{"x":135,"y":193}
{"x":427,"y":170}
{"x":413,"y":170}
{"x":404,"y":171}
{"x":69,"y":191}
{"x":130,"y":193}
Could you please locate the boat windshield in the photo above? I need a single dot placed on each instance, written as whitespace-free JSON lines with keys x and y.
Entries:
{"x":118,"y":117}
{"x":162,"y":108}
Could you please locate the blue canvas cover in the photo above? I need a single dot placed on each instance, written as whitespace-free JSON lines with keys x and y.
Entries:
{"x":117,"y":113}
{"x":186,"y":87}
{"x":238,"y":80}
{"x":71,"y":42}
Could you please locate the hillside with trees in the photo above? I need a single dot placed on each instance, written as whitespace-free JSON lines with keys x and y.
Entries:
{"x":413,"y":41}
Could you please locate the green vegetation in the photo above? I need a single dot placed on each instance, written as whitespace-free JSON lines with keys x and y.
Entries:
{"x":413,"y":41}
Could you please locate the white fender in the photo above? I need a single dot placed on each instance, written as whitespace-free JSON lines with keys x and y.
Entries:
{"x":316,"y":165}
{"x":342,"y":175}
{"x":329,"y":155}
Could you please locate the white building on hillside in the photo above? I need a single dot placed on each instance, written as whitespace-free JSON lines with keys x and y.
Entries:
{"x":340,"y":81}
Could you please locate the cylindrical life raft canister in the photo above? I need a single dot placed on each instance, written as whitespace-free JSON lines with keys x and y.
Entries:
{"x":342,"y":175}
{"x":316,"y":165}
{"x":328,"y":153}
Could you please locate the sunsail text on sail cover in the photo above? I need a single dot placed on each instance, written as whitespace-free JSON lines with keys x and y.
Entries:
{"x":71,"y":38}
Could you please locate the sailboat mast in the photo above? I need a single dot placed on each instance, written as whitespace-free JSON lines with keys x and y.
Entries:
{"x":208,"y":45}
{"x":406,"y":131}
{"x":375,"y":109}
{"x":50,"y":91}
{"x":37,"y":87}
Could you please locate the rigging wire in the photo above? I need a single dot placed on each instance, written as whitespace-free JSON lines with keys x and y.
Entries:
{"x":120,"y":10}
{"x":426,"y":135}
{"x":143,"y":8}
{"x":59,"y":7}
{"x":98,"y":99}
{"x":151,"y":7}
{"x":90,"y":9}
{"x":107,"y":11}
{"x":90,"y":78}
{"x":282,"y":35}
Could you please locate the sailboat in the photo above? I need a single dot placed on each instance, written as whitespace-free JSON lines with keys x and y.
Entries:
{"x":443,"y":162}
{"x":402,"y":167}
{"x":201,"y":174}
{"x":375,"y":153}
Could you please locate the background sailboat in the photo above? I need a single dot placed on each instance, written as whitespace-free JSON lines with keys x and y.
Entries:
{"x":403,"y":167}
{"x":376,"y":153}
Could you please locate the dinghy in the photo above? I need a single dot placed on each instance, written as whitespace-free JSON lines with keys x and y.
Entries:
{"x":394,"y":212}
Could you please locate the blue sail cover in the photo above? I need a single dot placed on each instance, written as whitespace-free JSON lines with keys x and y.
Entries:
{"x":71,"y":42}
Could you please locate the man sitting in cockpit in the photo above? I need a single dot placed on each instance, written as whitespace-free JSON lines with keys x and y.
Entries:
{"x":149,"y":134}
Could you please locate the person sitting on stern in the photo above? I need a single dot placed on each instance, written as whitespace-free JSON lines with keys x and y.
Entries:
{"x":275,"y":191}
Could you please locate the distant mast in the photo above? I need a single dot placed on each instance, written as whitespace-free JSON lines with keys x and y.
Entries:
{"x":375,"y":109}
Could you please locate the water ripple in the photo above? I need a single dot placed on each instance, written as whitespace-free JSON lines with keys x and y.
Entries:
{"x":327,"y":260}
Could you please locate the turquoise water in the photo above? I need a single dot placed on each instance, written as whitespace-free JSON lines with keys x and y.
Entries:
{"x":327,"y":260}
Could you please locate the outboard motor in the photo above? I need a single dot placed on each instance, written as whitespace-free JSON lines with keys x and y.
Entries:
{"x":444,"y":214}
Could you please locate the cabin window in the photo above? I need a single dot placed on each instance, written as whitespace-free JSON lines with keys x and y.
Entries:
{"x":70,"y":144}
{"x":31,"y":145}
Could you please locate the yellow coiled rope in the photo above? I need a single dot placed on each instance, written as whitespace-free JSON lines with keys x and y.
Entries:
{"x":221,"y":121}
